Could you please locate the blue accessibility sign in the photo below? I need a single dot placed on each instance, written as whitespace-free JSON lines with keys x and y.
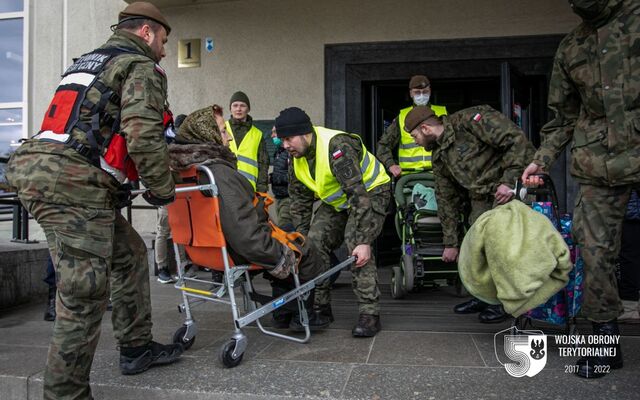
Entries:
{"x":208,"y":44}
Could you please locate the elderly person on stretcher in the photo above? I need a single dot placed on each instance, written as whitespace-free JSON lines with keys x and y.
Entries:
{"x":244,"y":218}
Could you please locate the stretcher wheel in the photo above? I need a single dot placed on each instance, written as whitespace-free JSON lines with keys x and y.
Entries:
{"x":397,"y":291}
{"x":178,"y":337}
{"x":226,"y":354}
{"x":408,"y":272}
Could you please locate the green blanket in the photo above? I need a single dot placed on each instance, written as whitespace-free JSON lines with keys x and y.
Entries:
{"x":514,"y":256}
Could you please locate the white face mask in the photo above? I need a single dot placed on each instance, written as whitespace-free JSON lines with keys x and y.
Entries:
{"x":421,"y":99}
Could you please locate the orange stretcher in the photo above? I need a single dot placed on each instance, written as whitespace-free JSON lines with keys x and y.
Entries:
{"x":194,"y":219}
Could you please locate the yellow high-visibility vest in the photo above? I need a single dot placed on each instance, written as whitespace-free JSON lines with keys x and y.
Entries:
{"x":411,"y":155}
{"x":247,"y":153}
{"x":325,"y":185}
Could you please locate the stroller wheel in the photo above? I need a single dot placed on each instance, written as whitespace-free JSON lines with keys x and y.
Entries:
{"x":226,"y":354}
{"x":397,"y":291}
{"x":407,"y":272}
{"x":178,"y":337}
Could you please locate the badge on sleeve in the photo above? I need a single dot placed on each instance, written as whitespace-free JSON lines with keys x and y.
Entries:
{"x":477,"y":117}
{"x":337,"y":154}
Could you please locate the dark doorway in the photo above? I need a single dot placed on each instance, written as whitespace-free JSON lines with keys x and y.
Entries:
{"x":366,"y":86}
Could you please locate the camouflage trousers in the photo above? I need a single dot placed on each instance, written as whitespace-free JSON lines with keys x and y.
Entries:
{"x":284,"y":212}
{"x":597,"y":229}
{"x":95,"y":252}
{"x":329,"y":228}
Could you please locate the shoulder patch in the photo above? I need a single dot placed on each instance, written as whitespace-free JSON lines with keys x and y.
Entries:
{"x":337,"y":154}
{"x":160,"y":69}
{"x":477,"y":117}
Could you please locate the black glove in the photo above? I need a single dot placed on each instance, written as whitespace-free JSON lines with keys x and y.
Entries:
{"x":122,"y":197}
{"x":155,"y":200}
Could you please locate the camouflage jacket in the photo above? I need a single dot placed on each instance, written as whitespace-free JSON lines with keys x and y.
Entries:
{"x":200,"y":126}
{"x":478,"y":150}
{"x":595,"y":95}
{"x":55,"y":173}
{"x":346,"y":169}
{"x":240,"y":129}
{"x":387,"y":143}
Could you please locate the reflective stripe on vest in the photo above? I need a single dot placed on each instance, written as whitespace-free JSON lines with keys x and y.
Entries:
{"x":325,"y":185}
{"x":411,"y":155}
{"x":247,"y":153}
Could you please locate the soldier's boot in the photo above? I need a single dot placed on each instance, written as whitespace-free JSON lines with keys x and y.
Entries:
{"x":281,"y":316}
{"x":50,"y":311}
{"x":599,"y":366}
{"x":134,"y":360}
{"x":325,"y":310}
{"x":317,"y":321}
{"x":368,"y":326}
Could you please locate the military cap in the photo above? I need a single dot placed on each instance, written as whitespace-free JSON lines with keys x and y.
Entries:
{"x":419,"y":82}
{"x":293,"y":121}
{"x":240,"y":96}
{"x":416,"y":116}
{"x":143,"y":10}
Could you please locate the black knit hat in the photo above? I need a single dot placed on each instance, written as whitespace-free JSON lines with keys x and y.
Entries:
{"x":240,"y":96}
{"x":293,"y":121}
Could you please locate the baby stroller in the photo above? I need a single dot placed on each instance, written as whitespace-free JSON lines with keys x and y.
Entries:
{"x":420,"y":232}
{"x":563,"y":307}
{"x":195,"y":223}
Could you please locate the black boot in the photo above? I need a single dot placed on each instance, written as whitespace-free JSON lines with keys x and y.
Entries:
{"x":600,"y":365}
{"x":325,"y":310}
{"x":50,"y":311}
{"x":470,"y":307}
{"x":281,"y":316}
{"x":317,"y":321}
{"x":134,"y":360}
{"x":493,"y":314}
{"x":368,"y":325}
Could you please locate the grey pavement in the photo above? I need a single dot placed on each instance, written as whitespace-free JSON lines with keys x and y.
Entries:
{"x":423,"y":352}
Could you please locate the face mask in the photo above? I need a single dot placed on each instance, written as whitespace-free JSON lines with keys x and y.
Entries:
{"x":588,"y":9}
{"x":276,"y":140}
{"x":421,"y":99}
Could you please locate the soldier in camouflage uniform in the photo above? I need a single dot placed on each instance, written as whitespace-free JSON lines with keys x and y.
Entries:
{"x":355,"y":192}
{"x":595,"y":95}
{"x":478,"y":154}
{"x":94,"y":249}
{"x":410,"y":156}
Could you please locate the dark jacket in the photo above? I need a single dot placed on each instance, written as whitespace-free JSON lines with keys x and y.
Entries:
{"x":280,"y":174}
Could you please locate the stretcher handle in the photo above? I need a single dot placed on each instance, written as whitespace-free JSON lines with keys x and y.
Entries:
{"x":180,"y":189}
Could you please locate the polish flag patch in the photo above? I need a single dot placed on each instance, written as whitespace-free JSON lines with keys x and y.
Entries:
{"x":477,"y":117}
{"x":337,"y":154}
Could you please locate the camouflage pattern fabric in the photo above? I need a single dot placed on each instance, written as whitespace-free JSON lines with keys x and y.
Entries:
{"x":240,"y":130}
{"x":200,"y":127}
{"x":360,"y":224}
{"x":387,"y":143}
{"x":479,"y":150}
{"x":283,"y":211}
{"x":95,"y":252}
{"x":594,"y":94}
{"x":599,"y":214}
{"x":91,"y":244}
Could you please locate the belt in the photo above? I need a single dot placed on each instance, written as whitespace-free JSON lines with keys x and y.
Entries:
{"x":67,"y":140}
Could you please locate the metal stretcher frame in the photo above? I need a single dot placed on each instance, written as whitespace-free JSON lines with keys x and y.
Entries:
{"x":234,"y":275}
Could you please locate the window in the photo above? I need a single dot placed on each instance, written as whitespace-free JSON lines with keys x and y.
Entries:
{"x":13,"y":78}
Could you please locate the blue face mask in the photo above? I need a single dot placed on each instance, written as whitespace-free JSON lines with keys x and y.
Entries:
{"x":277,"y":141}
